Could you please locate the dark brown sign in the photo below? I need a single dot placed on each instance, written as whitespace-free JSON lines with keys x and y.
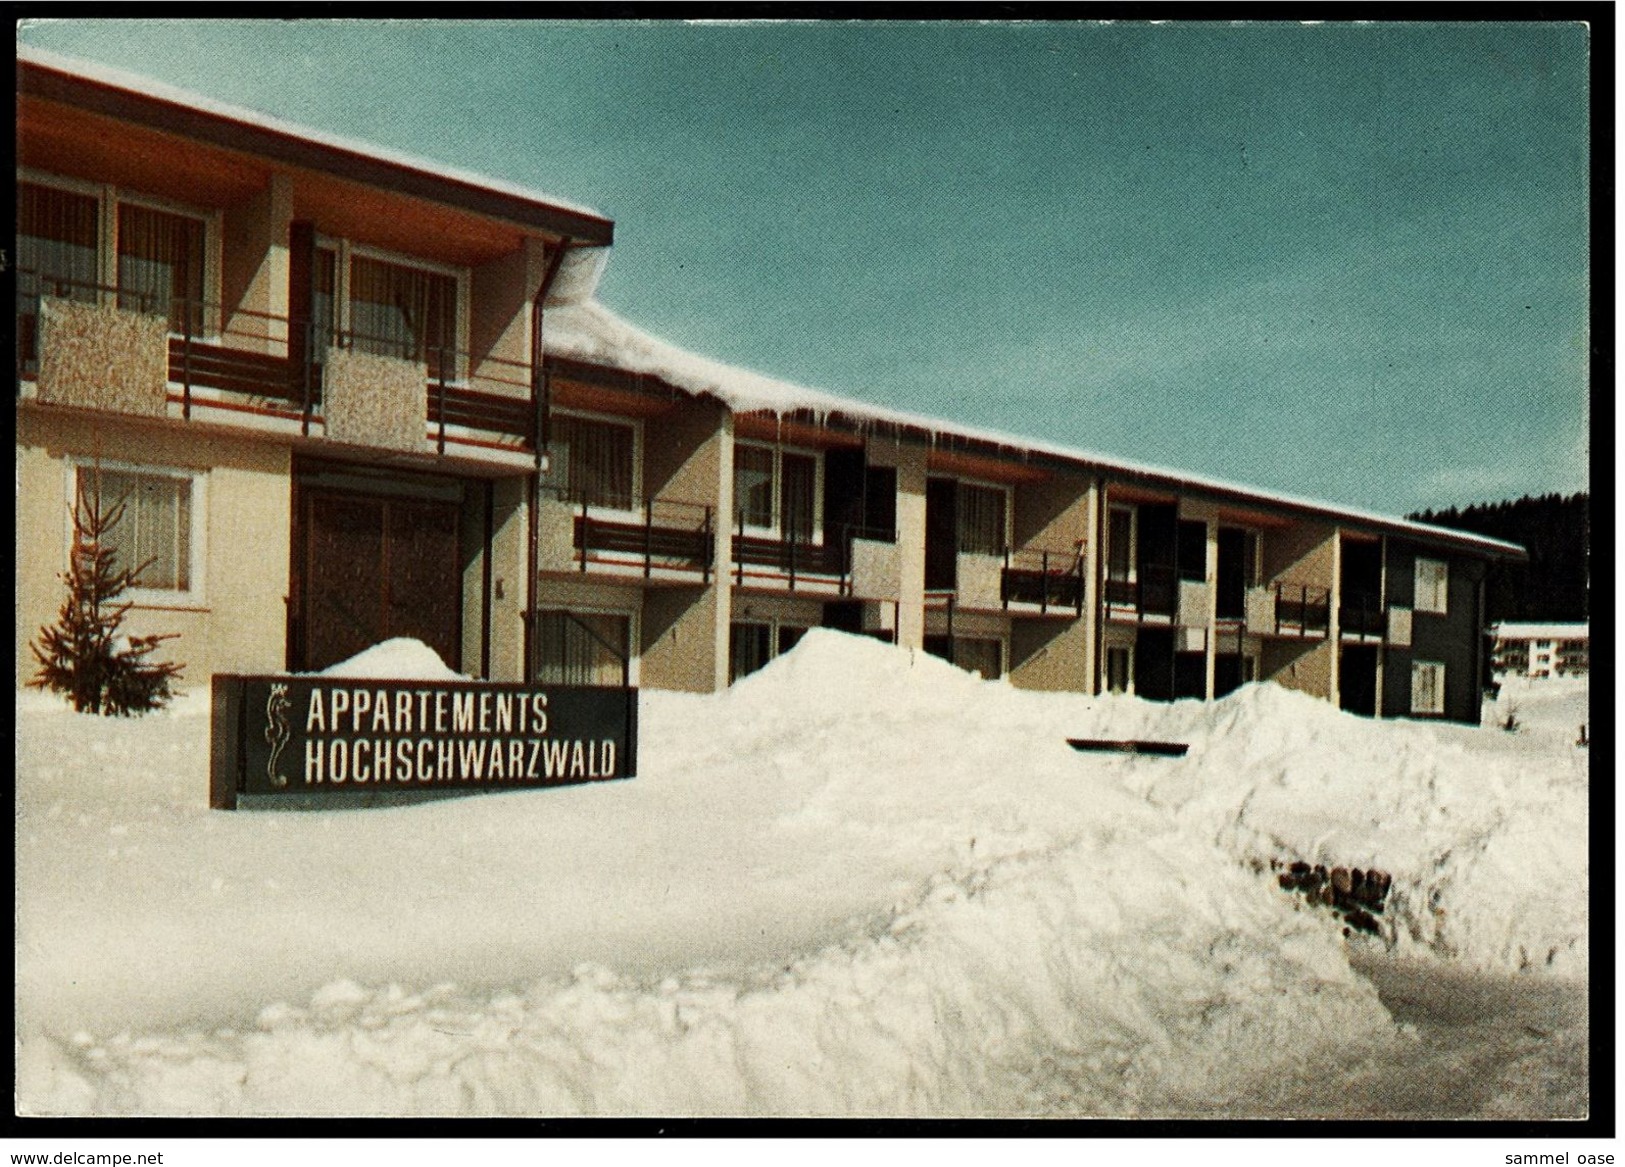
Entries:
{"x":332,"y":740}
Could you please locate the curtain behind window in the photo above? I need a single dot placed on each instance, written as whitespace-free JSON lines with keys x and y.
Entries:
{"x":56,"y":255}
{"x":404,"y":312}
{"x":595,"y":458}
{"x":753,"y":485}
{"x":56,"y":242}
{"x":160,"y":265}
{"x":981,"y":519}
{"x":582,"y":649}
{"x":799,"y":472}
{"x":155,"y":528}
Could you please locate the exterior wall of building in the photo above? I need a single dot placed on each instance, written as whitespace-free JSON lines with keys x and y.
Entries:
{"x":684,"y":641}
{"x":254,"y":267}
{"x":1452,"y":639}
{"x":240,"y":622}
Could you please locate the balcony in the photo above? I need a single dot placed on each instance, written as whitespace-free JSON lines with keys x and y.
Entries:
{"x":1154,"y":592}
{"x":1050,"y":581}
{"x":850,"y":561}
{"x":667,"y":540}
{"x":1362,"y":616}
{"x":1290,"y":610}
{"x":261,"y":371}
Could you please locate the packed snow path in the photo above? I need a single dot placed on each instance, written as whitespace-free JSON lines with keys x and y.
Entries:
{"x":859,"y":883}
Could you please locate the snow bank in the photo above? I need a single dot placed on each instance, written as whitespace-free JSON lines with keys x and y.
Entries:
{"x":861,"y":882}
{"x":401,"y":659}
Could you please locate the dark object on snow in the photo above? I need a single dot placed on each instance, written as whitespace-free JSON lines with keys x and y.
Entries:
{"x":1356,"y":895}
{"x":83,"y":655}
{"x":1161,"y":749}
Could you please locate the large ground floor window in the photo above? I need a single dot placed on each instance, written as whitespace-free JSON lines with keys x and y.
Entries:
{"x":158,"y":528}
{"x":583,"y":648}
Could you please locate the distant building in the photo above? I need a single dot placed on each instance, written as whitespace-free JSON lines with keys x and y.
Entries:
{"x":348,"y":396}
{"x":1542,"y":650}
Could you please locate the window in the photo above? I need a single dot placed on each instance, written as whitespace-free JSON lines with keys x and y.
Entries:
{"x":1190,"y":555}
{"x":749,"y":648}
{"x":156,"y":532}
{"x":160,"y":265}
{"x":880,"y":503}
{"x":1120,"y":545}
{"x":777,"y":491}
{"x":595,"y":461}
{"x":582,"y":648}
{"x":1427,"y":687}
{"x":389,"y":306}
{"x":1432,"y":585}
{"x":56,"y":241}
{"x":1117,"y":670}
{"x":751,"y":644}
{"x":753,"y":485}
{"x":405,"y":312}
{"x":983,"y":657}
{"x":78,"y":243}
{"x":56,"y":255}
{"x":981,"y":518}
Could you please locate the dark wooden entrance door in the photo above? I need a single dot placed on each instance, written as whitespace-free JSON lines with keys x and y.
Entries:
{"x":377,"y":567}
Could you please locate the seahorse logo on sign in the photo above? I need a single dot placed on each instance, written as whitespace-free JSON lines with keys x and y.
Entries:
{"x":277,"y":706}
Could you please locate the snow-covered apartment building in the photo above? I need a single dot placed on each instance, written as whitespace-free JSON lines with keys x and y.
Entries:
{"x":349,"y":396}
{"x":1541,"y":650}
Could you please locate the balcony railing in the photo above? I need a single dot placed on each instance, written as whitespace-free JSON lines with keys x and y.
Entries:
{"x":670,"y":536}
{"x":277,"y":362}
{"x":1302,"y":609}
{"x":1155,"y":591}
{"x":1050,"y":579}
{"x":1362,"y":615}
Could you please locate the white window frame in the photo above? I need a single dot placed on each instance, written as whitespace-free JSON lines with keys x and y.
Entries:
{"x":636,"y":423}
{"x":776,"y":529}
{"x":194,"y":597}
{"x":1417,"y":669}
{"x":108,"y":199}
{"x":345,"y":249}
{"x":1423,"y":598}
{"x":1133,"y":513}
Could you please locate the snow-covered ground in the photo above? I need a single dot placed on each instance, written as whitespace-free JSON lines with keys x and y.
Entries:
{"x":860,"y":882}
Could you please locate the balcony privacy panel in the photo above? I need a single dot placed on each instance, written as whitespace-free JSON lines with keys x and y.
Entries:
{"x":876,"y":570}
{"x":979,"y":577}
{"x":100,"y":357}
{"x":1399,"y":627}
{"x":555,"y":534}
{"x":1260,"y":610}
{"x":375,"y":401}
{"x":1195,"y":603}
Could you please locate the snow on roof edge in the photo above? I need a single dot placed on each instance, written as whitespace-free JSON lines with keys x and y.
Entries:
{"x":592,"y":332}
{"x":162,"y":90}
{"x":1517,"y":630}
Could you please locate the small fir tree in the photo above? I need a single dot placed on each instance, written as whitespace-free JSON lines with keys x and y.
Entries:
{"x":84,"y":655}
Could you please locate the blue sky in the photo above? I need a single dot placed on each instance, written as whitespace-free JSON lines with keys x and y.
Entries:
{"x":1347,"y":261}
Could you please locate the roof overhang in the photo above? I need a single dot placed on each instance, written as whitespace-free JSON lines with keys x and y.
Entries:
{"x":284,"y":144}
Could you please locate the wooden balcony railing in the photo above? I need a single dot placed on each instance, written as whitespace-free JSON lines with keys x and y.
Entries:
{"x":671,"y":536}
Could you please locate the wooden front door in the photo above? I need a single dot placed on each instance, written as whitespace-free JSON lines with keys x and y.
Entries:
{"x":377,"y":567}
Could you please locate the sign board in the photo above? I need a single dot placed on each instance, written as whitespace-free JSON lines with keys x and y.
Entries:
{"x":331,"y":741}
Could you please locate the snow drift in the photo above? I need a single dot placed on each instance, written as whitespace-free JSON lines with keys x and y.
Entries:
{"x":861,"y":882}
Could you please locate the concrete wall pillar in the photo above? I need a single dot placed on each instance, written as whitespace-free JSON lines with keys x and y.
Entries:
{"x":911,"y":475}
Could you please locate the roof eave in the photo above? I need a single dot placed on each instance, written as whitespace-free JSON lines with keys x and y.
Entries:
{"x":49,"y":83}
